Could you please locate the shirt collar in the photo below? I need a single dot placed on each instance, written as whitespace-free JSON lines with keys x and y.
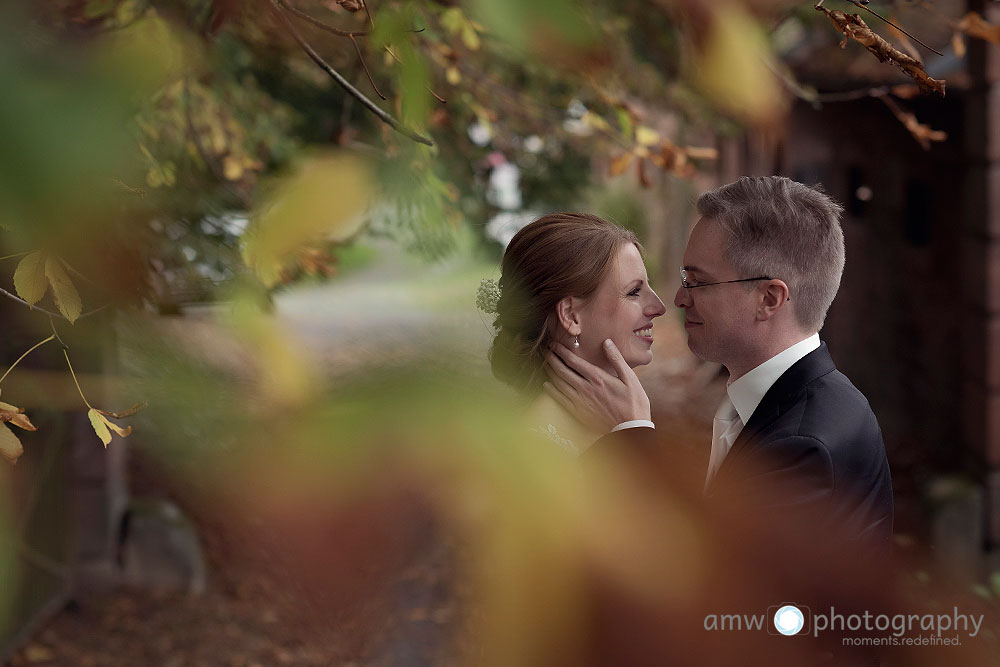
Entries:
{"x":748,"y":391}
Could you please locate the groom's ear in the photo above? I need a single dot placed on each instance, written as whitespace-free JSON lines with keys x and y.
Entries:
{"x":567,"y":310}
{"x":775,"y":297}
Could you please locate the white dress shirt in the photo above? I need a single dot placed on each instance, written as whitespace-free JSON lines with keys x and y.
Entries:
{"x":745,"y":394}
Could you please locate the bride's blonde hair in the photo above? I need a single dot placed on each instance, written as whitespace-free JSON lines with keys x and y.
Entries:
{"x":558,"y":255}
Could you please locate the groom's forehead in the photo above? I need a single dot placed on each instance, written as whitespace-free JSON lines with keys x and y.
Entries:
{"x":706,"y":247}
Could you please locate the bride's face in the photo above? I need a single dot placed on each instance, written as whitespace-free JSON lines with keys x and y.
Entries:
{"x":623,"y":309}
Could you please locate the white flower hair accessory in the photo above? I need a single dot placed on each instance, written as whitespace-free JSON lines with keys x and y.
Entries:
{"x":488,"y":295}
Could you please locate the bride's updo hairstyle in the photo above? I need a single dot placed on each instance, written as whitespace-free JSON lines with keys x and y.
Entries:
{"x":556,"y":256}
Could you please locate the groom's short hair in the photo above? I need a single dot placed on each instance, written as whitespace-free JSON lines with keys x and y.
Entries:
{"x":778,"y":227}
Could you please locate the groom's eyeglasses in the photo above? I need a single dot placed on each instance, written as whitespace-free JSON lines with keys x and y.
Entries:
{"x":690,"y":285}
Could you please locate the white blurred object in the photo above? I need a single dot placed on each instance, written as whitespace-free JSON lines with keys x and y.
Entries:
{"x":504,"y":189}
{"x":480,"y":134}
{"x":534,"y":144}
{"x":505,"y":224}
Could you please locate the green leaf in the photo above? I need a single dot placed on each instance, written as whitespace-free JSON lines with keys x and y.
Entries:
{"x":67,"y":298}
{"x":995,"y":582}
{"x":29,"y":277}
{"x":97,"y":8}
{"x":625,"y":122}
{"x":526,"y":25}
{"x":99,"y":426}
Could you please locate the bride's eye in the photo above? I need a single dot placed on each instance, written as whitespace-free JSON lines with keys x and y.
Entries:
{"x":635,"y":292}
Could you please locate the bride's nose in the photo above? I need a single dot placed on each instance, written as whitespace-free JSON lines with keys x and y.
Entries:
{"x":655,"y":308}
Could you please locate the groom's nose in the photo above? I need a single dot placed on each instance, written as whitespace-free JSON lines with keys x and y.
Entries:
{"x":682,"y":299}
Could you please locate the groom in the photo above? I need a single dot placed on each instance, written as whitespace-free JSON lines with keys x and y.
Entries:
{"x":793,"y":436}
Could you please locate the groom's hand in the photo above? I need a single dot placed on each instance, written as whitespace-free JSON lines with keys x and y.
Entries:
{"x":597,"y":398}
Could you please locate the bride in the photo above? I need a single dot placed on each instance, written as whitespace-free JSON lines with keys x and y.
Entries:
{"x":577,"y":280}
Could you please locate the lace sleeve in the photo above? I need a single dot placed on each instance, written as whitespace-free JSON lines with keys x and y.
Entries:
{"x":549,"y":432}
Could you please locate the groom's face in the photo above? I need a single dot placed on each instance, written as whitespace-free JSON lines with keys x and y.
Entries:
{"x":717,"y":318}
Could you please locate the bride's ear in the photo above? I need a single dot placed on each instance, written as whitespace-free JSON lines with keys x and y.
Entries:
{"x":569,"y":317}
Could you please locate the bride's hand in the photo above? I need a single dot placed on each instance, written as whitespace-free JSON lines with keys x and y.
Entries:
{"x":597,"y":398}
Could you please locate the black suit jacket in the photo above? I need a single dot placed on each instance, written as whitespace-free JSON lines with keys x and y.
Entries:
{"x":812,"y":451}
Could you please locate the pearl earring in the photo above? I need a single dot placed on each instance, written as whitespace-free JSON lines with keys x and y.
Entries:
{"x":576,"y":342}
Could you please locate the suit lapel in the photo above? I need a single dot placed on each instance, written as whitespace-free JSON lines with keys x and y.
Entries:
{"x":784,"y":393}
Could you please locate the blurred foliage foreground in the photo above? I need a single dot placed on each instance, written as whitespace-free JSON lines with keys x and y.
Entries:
{"x":141,"y":136}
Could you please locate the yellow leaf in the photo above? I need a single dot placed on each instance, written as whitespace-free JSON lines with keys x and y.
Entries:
{"x":123,"y":432}
{"x":99,"y":426}
{"x":231,"y":168}
{"x":958,"y":45}
{"x":169,"y":173}
{"x":29,"y":277}
{"x":453,"y":75}
{"x":645,"y":136}
{"x":452,"y":19}
{"x":733,"y":70}
{"x":67,"y":298}
{"x":470,"y":37}
{"x":218,"y":139}
{"x":596,"y":121}
{"x":16,"y":416}
{"x":10,"y":447}
{"x":324,"y":199}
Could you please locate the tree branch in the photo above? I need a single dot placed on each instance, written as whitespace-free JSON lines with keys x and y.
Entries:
{"x":320,"y":24}
{"x":429,"y":90}
{"x":276,"y":7}
{"x":365,"y":67}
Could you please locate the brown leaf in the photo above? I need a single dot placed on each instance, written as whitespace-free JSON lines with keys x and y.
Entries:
{"x":854,"y":27}
{"x":351,"y":5}
{"x":16,"y":416}
{"x":905,"y":91}
{"x":125,"y":413}
{"x":621,"y":163}
{"x":921,"y":132}
{"x":10,"y":447}
{"x":974,"y":25}
{"x":702,"y":152}
{"x":640,"y":168}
